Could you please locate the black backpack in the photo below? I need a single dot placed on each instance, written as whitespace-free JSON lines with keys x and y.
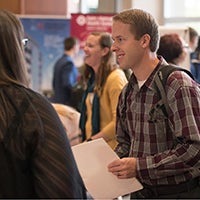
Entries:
{"x":161,"y":79}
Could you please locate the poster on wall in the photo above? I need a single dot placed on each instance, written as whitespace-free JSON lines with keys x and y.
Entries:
{"x":82,"y":24}
{"x":44,"y":47}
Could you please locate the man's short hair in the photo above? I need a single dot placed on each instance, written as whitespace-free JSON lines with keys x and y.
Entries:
{"x":69,"y":43}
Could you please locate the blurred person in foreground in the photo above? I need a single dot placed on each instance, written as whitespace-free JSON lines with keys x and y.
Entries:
{"x":36,"y":157}
{"x":104,"y":82}
{"x":65,"y":72}
{"x":173,"y":48}
{"x":163,"y":153}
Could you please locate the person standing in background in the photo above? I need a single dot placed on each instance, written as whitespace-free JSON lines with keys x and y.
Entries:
{"x":193,"y":45}
{"x":36,"y":158}
{"x":195,"y":63}
{"x":173,"y":48}
{"x":162,"y":152}
{"x":65,"y":72}
{"x":194,"y":54}
{"x":104,"y":82}
{"x":193,"y":39}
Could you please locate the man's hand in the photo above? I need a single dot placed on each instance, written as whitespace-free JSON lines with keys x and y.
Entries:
{"x":123,"y":168}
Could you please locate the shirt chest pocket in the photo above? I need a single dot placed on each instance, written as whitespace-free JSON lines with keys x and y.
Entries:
{"x":158,"y":123}
{"x":157,"y":113}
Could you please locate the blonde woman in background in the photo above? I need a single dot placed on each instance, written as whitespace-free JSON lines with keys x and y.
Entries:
{"x":104,"y":84}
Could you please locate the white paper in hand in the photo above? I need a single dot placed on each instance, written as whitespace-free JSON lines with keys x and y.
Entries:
{"x":92,"y":159}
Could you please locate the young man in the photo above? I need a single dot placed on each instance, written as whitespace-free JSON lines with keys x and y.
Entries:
{"x":162,"y":152}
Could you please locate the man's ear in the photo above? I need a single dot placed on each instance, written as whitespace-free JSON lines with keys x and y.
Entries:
{"x":145,"y":40}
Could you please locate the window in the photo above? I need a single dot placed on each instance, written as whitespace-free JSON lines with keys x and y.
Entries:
{"x":182,"y":13}
{"x":181,"y":8}
{"x":89,"y":6}
{"x":83,"y":6}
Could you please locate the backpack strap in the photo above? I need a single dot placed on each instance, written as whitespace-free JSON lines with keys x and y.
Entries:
{"x":161,"y":79}
{"x":166,"y":70}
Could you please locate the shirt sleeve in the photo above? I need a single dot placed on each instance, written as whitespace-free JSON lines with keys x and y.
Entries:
{"x":69,"y":75}
{"x":123,"y":139}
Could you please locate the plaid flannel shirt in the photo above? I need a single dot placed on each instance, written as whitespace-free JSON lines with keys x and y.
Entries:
{"x":167,"y":149}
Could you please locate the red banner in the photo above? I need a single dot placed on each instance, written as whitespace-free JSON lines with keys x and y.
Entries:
{"x":82,"y":24}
